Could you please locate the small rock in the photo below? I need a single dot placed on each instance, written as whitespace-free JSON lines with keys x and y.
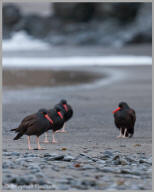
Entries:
{"x":109,"y":170}
{"x":8,"y":164}
{"x":109,"y":153}
{"x":63,"y":187}
{"x":68,"y":158}
{"x":77,"y":165}
{"x":55,"y":157}
{"x":144,"y":161}
{"x":86,"y":167}
{"x":30,"y":155}
{"x":137,"y":145}
{"x":64,"y":149}
{"x":131,"y":172}
{"x":116,"y":162}
{"x":116,"y":157}
{"x":47,"y":155}
{"x":89,"y":182}
{"x":34,"y":168}
{"x":101,"y":161}
{"x":130,"y":159}
{"x":7,"y":154}
{"x":123,"y":162}
{"x":63,"y":181}
{"x":120,"y":182}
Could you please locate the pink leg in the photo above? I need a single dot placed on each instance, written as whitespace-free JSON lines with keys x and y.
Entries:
{"x":119,"y":136}
{"x":38,"y":144}
{"x":29,"y":146}
{"x":62,"y":130}
{"x":124,"y":136}
{"x":53,"y":138}
{"x":46,"y":138}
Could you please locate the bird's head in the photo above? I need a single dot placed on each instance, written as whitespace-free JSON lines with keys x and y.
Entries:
{"x":43,"y":111}
{"x":63,"y":101}
{"x":123,"y":105}
{"x":59,"y":112}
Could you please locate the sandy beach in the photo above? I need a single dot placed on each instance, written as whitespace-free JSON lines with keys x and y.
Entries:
{"x":91,"y":131}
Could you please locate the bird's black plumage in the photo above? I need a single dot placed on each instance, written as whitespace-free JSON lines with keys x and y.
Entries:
{"x":66,"y":109}
{"x":57,"y":117}
{"x":34,"y":124}
{"x":124,"y":118}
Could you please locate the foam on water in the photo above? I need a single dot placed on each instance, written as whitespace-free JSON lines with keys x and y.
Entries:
{"x":22,"y":41}
{"x":23,"y":62}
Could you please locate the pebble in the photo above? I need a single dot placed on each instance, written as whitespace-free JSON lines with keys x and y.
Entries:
{"x":101,"y":162}
{"x":15,"y":154}
{"x":132,"y":172}
{"x":88,"y":182}
{"x":123,"y":162}
{"x":30,"y":155}
{"x":85,"y":167}
{"x":47,"y":155}
{"x":108,"y":153}
{"x":8,"y":164}
{"x":144,"y":161}
{"x":68,"y":158}
{"x":55,"y":157}
{"x":116,"y":157}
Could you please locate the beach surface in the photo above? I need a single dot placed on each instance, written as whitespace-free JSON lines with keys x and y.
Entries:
{"x":91,"y":132}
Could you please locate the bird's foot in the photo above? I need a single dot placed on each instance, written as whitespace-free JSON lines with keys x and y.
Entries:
{"x":54,"y":142}
{"x":124,"y":136}
{"x":40,"y":148}
{"x":119,"y":136}
{"x":61,"y":131}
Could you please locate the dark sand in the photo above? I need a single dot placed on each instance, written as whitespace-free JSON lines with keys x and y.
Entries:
{"x":92,"y":124}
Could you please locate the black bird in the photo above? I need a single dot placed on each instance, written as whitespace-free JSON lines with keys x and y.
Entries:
{"x":67,"y":110}
{"x":56,"y":118}
{"x":124,"y":118}
{"x":34,"y":124}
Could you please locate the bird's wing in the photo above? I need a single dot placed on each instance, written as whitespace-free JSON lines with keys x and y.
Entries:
{"x":116,"y":121}
{"x":29,"y":120}
{"x":133,"y":115}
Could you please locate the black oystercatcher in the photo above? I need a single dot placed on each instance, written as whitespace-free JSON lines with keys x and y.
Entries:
{"x":124,"y":118}
{"x":34,"y":124}
{"x":57,"y":118}
{"x":67,"y":110}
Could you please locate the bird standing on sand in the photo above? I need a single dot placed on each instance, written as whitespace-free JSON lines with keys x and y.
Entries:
{"x":56,"y":118}
{"x":67,"y":110}
{"x":67,"y":114}
{"x":124,"y":118}
{"x":34,"y":124}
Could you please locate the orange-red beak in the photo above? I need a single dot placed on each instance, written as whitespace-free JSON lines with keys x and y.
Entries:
{"x":59,"y":113}
{"x":65,"y":106}
{"x":47,"y":117}
{"x":116,"y":110}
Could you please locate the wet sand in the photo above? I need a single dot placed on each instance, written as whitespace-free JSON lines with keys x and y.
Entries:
{"x":21,"y":79}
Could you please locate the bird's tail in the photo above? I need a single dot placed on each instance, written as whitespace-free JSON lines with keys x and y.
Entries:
{"x":14,"y":129}
{"x":131,"y":132}
{"x":131,"y":135}
{"x":18,"y":136}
